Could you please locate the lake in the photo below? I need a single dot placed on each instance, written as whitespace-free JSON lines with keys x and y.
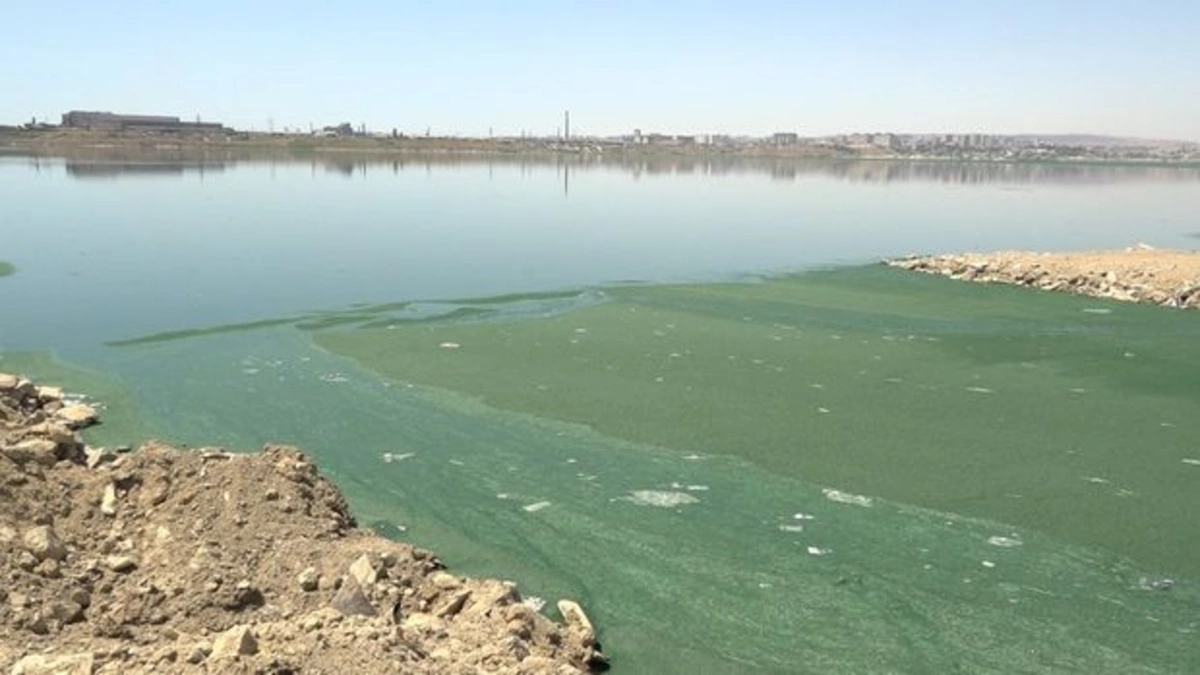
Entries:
{"x":682,"y":392}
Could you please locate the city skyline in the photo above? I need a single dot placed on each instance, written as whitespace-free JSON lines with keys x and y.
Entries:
{"x":470,"y":69}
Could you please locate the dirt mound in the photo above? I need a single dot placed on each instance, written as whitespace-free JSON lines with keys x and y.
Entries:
{"x":1139,"y":274}
{"x":165,"y":561}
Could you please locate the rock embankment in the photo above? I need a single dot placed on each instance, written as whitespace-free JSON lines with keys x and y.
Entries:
{"x":203,"y":561}
{"x":1140,"y":274}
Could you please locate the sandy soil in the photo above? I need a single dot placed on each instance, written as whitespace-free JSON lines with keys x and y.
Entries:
{"x":161,"y":560}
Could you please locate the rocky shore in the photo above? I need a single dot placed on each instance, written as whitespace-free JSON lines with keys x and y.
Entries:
{"x":1170,"y":278}
{"x":204,"y":561}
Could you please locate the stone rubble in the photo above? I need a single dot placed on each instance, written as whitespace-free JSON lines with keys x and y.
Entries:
{"x":1139,"y":274}
{"x":204,"y":561}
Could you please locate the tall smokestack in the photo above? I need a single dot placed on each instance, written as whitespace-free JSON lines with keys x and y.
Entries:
{"x":567,"y":125}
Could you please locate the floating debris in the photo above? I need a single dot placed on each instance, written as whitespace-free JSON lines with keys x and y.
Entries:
{"x":660,"y":498}
{"x":457,"y":462}
{"x":1156,"y":584}
{"x":449,"y":345}
{"x":791,"y":528}
{"x":1004,"y":542}
{"x":988,"y":564}
{"x":817,"y":551}
{"x":1096,"y":310}
{"x":1096,"y":480}
{"x":697,"y":488}
{"x":822,"y":410}
{"x":981,"y":390}
{"x":535,"y":507}
{"x":804,"y":516}
{"x":846,"y":497}
{"x":1189,"y":460}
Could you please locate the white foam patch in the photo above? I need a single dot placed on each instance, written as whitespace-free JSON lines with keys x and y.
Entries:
{"x":1189,"y":460}
{"x":981,"y":390}
{"x":817,"y":551}
{"x":804,"y":516}
{"x":1096,"y":310}
{"x":697,"y":488}
{"x":791,"y":528}
{"x":1004,"y":542}
{"x":535,"y":507}
{"x":534,"y":602}
{"x":661,"y":498}
{"x":846,"y":497}
{"x":449,"y":345}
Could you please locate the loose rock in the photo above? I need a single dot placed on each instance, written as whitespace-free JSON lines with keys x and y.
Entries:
{"x":237,"y":641}
{"x":43,"y":543}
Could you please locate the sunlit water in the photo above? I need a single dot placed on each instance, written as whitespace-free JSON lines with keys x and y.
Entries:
{"x":848,"y":471}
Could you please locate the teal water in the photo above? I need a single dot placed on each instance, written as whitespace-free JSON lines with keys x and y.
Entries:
{"x":683,"y":541}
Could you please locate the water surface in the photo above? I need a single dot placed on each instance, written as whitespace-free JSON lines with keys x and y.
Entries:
{"x":740,"y":463}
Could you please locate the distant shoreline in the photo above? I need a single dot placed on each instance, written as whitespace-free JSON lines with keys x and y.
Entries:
{"x":82,"y":144}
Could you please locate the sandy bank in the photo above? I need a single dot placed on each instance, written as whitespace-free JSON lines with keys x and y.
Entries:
{"x":164,"y":560}
{"x":1166,"y":277}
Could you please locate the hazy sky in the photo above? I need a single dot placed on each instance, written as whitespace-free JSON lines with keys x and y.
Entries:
{"x":741,"y":66}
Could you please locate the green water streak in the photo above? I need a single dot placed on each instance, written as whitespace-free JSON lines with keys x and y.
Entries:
{"x":1069,"y":415}
{"x":6,"y":269}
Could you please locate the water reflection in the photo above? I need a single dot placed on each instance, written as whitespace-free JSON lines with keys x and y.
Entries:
{"x":100,"y":165}
{"x":88,"y":170}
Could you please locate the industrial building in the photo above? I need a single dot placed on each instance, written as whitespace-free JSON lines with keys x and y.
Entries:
{"x":106,"y":121}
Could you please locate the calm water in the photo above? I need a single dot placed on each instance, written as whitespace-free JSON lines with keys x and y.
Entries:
{"x":1013,"y":471}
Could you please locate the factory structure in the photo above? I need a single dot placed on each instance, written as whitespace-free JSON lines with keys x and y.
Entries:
{"x":106,"y":121}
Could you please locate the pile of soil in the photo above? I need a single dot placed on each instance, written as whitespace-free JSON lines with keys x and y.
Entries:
{"x":164,"y":560}
{"x":1164,"y":277}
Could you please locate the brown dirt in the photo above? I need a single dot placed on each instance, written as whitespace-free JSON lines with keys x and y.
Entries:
{"x":1139,"y":274}
{"x":202,"y":561}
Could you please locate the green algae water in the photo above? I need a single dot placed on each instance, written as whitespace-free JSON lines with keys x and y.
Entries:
{"x":850,"y":469}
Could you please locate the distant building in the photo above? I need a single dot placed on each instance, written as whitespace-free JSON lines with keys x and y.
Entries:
{"x":887,"y":141}
{"x":344,"y":129}
{"x":786,"y":138}
{"x":106,"y":121}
